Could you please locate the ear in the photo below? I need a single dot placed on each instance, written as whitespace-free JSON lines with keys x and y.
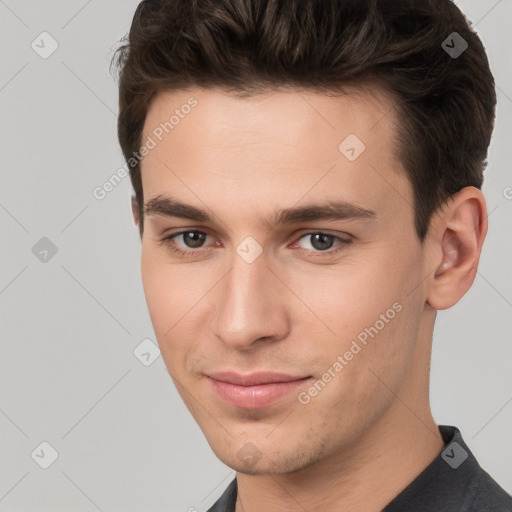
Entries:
{"x":135,"y":211}
{"x":457,"y":234}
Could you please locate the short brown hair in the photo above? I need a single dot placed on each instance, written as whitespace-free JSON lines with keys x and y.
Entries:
{"x":445,"y":103}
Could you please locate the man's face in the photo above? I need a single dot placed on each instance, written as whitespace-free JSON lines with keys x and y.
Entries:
{"x":258,"y":293}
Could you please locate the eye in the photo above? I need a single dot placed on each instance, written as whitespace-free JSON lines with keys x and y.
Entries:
{"x":319,"y":242}
{"x":192,"y":242}
{"x":192,"y":239}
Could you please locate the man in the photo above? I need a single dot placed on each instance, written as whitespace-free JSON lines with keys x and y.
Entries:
{"x":307,"y":183}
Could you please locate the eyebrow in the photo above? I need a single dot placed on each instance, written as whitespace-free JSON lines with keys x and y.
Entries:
{"x":330,"y":210}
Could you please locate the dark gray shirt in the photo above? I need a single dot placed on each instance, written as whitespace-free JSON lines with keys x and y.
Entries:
{"x":453,"y":482}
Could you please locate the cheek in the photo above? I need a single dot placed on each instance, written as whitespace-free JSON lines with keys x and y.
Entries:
{"x":364,"y":310}
{"x":349,"y":298}
{"x":173,"y":296}
{"x":375,"y":320}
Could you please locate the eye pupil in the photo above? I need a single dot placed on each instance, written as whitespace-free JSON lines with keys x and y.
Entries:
{"x":321,"y":241}
{"x":194,"y":238}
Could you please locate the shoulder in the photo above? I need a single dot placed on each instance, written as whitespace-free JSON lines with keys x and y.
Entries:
{"x":486,"y":495}
{"x":453,"y":482}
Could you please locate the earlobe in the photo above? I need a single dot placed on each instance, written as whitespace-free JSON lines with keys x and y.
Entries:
{"x":461,"y":227}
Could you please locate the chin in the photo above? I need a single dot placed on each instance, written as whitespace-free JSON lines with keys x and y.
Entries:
{"x":251,"y":461}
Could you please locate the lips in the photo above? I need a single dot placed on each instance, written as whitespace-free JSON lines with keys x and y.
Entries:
{"x":253,"y":379}
{"x":256,"y":390}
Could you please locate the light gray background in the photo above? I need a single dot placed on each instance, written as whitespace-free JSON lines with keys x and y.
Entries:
{"x":69,"y":377}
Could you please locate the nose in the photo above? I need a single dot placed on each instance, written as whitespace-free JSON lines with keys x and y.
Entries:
{"x":250,"y":306}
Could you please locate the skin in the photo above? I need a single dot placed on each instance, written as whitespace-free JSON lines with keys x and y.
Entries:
{"x":369,"y":432}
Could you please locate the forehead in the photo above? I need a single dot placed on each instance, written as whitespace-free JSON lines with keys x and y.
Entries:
{"x":273,"y":148}
{"x":285,"y":116}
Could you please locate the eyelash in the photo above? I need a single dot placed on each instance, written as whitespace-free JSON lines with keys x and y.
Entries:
{"x":168,"y":241}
